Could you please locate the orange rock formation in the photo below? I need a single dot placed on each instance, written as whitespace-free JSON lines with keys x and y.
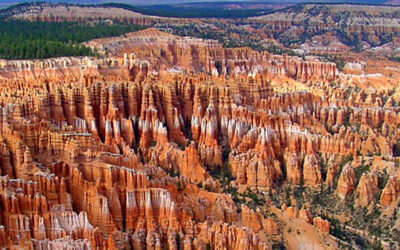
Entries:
{"x":119,"y":152}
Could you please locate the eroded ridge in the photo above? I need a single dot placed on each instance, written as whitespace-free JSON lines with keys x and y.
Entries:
{"x":154,"y":145}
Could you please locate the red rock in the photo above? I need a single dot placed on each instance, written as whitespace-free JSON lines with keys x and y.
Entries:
{"x":293,"y":169}
{"x":322,"y":225}
{"x":305,"y":215}
{"x":390,"y":192}
{"x":367,"y":188}
{"x":345,"y":185}
{"x":115,"y":152}
{"x":311,"y":171}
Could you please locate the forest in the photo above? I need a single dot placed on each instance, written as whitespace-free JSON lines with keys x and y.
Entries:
{"x":35,"y":40}
{"x":194,"y":10}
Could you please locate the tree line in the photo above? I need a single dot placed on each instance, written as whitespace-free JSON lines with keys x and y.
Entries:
{"x":21,"y":39}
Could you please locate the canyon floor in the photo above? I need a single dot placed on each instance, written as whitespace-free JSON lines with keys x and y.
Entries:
{"x":169,"y":141}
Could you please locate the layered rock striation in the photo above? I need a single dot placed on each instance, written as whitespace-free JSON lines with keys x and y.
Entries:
{"x":121,"y":154}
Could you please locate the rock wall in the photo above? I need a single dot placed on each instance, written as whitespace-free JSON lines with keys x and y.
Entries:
{"x":164,"y":52}
{"x":95,"y":154}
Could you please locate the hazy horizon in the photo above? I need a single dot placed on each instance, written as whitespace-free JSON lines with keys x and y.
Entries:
{"x":7,"y":3}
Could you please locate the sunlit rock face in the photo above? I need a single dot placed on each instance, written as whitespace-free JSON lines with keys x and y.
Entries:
{"x":122,"y":151}
{"x":151,"y":50}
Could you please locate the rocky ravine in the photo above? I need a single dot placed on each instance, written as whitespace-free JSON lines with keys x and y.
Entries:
{"x":127,"y":151}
